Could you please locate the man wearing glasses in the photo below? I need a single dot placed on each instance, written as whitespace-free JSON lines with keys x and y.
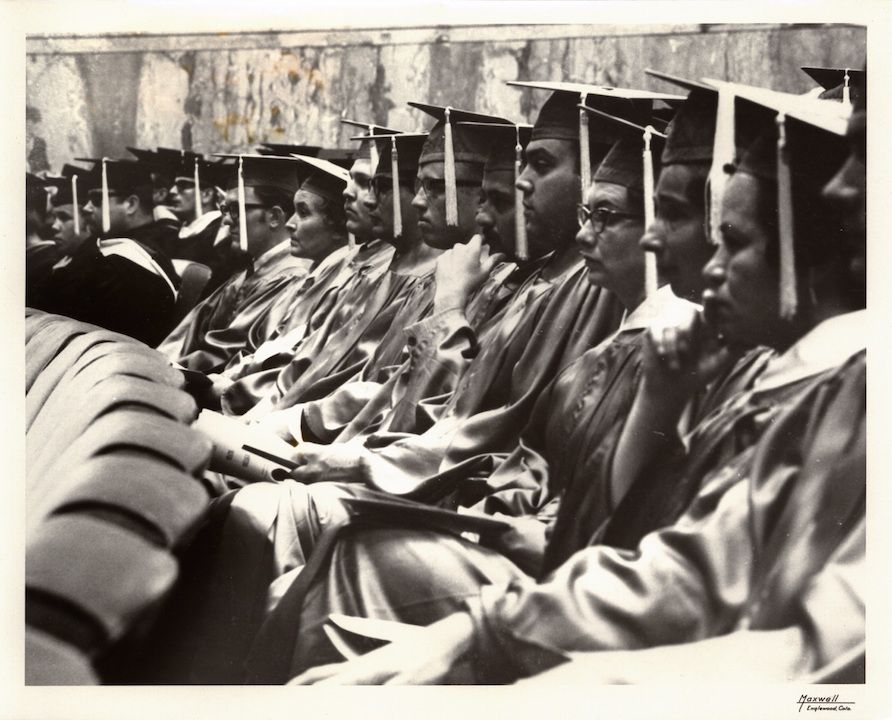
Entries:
{"x":216,"y":328}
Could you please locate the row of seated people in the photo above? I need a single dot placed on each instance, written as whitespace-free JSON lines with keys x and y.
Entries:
{"x":591,"y":385}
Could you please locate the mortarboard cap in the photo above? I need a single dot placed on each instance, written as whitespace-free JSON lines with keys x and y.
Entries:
{"x":463,"y":154}
{"x":398,"y":155}
{"x":342,"y":157}
{"x":286,"y":149}
{"x":561,"y":118}
{"x":705,"y":131}
{"x":799,"y":146}
{"x":838,"y":83}
{"x":506,"y":147}
{"x":368,"y":148}
{"x":260,"y":172}
{"x":630,"y":163}
{"x":322,"y":177}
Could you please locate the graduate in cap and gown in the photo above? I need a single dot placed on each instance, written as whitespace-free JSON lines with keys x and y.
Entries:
{"x":366,"y":310}
{"x":256,"y":209}
{"x":123,"y":281}
{"x":380,"y":386}
{"x":750,"y":580}
{"x":41,"y":253}
{"x":194,"y":196}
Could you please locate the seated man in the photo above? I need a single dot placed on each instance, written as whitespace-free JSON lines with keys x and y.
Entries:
{"x":122,"y":281}
{"x":215,"y":328}
{"x":773,"y":545}
{"x":41,"y":251}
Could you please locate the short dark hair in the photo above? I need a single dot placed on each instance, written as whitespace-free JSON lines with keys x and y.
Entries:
{"x":275,"y":197}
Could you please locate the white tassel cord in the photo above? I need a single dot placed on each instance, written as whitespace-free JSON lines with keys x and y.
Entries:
{"x":242,"y":218}
{"x":397,"y":203}
{"x":76,"y":211}
{"x":585,"y":157}
{"x":198,"y":210}
{"x":521,"y":249}
{"x":106,"y":215}
{"x":722,"y":156}
{"x":449,"y":174}
{"x":650,"y":260}
{"x":789,"y":300}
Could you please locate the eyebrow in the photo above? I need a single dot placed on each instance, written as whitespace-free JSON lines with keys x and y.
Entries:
{"x":536,"y":152}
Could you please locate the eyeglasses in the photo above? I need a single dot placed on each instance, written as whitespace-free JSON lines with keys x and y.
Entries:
{"x":183,"y":185}
{"x":383,"y":184}
{"x":95,"y":196}
{"x":231,"y":209}
{"x":600,"y":217}
{"x":434,"y":187}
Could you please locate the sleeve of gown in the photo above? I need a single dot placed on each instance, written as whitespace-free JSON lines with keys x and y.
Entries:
{"x":832,"y":605}
{"x":683,"y":583}
{"x":520,"y":485}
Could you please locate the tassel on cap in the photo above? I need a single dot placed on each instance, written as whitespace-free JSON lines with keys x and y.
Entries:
{"x":846,"y":93}
{"x":789,"y":299}
{"x":242,"y":217}
{"x":722,"y":157}
{"x":449,"y":173}
{"x":395,"y":178}
{"x":198,"y":210}
{"x":521,"y":251}
{"x":74,"y":205}
{"x":373,"y":153}
{"x":650,"y":260}
{"x":106,"y":214}
{"x":585,"y":158}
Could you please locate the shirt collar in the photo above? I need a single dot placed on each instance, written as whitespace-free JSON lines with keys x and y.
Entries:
{"x":826,"y":346}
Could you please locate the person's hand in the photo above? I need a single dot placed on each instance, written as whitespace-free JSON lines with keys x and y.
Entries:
{"x":279,"y":423}
{"x":340,"y":462}
{"x":460,"y":271}
{"x":423,"y":660}
{"x":682,"y":354}
{"x":523,"y":543}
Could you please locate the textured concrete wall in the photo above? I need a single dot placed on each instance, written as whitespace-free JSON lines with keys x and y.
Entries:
{"x":95,"y":95}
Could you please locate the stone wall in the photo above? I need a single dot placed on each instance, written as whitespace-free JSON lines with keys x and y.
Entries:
{"x":92,"y":96}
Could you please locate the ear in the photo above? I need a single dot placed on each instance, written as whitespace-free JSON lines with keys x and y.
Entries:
{"x":209,"y":196}
{"x":131,"y":204}
{"x":276,"y":217}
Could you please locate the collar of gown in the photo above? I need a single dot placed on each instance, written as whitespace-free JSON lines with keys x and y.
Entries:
{"x":198,"y":226}
{"x":826,"y":346}
{"x":661,"y":304}
{"x":277,"y":255}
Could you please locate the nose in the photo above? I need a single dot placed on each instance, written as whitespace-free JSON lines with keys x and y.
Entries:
{"x":585,"y":237}
{"x":652,"y":240}
{"x":89,"y":208}
{"x":350,"y":192}
{"x":227,"y":220}
{"x":419,"y":202}
{"x":291,"y":225}
{"x":370,"y":200}
{"x":714,"y":272}
{"x":173,"y":192}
